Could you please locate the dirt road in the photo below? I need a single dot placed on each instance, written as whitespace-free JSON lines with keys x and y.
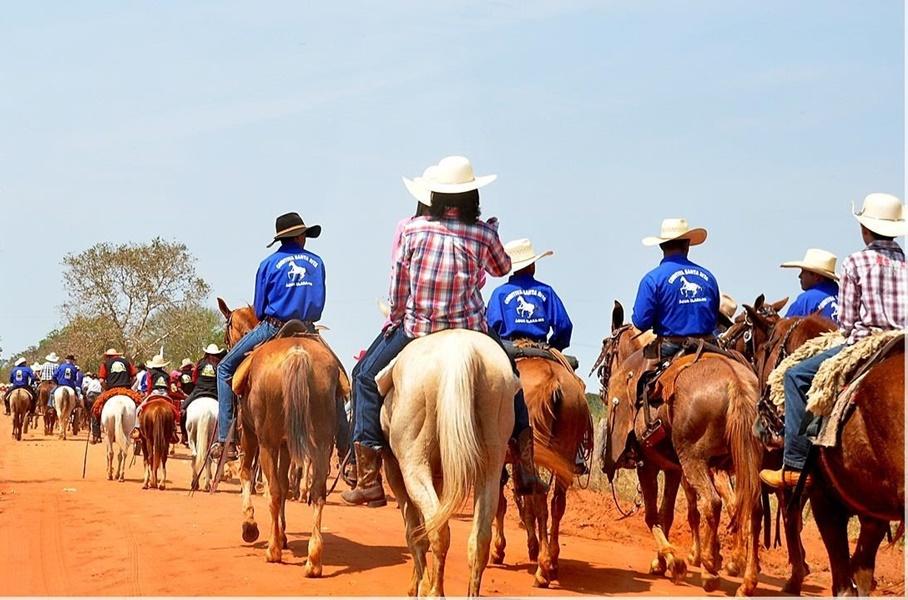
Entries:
{"x":65,"y":535}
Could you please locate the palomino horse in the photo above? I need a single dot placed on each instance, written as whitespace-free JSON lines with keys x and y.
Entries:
{"x":157,"y":424}
{"x":19,"y":400}
{"x":288,"y":413}
{"x":118,"y":417}
{"x":64,"y":402}
{"x":560,"y":416}
{"x":448,"y":414}
{"x":201,"y":425}
{"x":864,"y":475}
{"x":708,"y":415}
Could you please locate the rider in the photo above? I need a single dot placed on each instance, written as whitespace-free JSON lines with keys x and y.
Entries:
{"x":21,"y":377}
{"x":157,"y":382}
{"x":819,"y":282}
{"x":116,"y":371}
{"x":436,"y":286}
{"x":290,"y":284}
{"x":187,"y":383}
{"x":49,"y":367}
{"x":91,"y":387}
{"x":872,"y":298}
{"x":205,"y":382}
{"x":66,"y":374}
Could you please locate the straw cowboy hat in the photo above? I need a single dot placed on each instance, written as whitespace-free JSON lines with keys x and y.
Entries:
{"x":20,"y":362}
{"x":157,"y":362}
{"x":676,"y":229}
{"x":111,"y":352}
{"x":417,"y":185}
{"x":523,"y":254}
{"x":185,"y":362}
{"x":883,"y":214}
{"x":290,"y":225}
{"x":454,"y":175}
{"x":52,"y":357}
{"x":727,"y":309}
{"x":213,"y":349}
{"x":816,"y":261}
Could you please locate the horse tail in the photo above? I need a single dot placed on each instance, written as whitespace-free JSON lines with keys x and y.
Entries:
{"x":555,"y":426}
{"x":899,"y":534}
{"x":458,"y":439}
{"x":160,"y":443}
{"x":295,"y":388}
{"x":746,"y":450}
{"x":200,"y":440}
{"x":119,"y":432}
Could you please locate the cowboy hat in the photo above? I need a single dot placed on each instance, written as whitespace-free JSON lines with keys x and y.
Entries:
{"x":676,"y":229}
{"x":20,"y":361}
{"x":70,"y":357}
{"x":727,"y":309}
{"x":52,"y":357}
{"x":185,"y":362}
{"x":111,"y":352}
{"x":523,"y":254}
{"x":883,"y":214}
{"x":290,"y":225}
{"x":816,"y":261}
{"x":454,"y":175}
{"x":157,"y":362}
{"x":36,"y":365}
{"x":213,"y":349}
{"x":417,"y":185}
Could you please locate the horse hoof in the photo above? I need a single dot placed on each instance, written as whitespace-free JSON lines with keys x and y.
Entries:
{"x":161,"y":486}
{"x":273,"y":555}
{"x":539,"y":580}
{"x":145,"y":486}
{"x":498,"y":558}
{"x":553,"y":573}
{"x":733,"y":569}
{"x":657,"y":567}
{"x":693,"y":559}
{"x":110,"y":477}
{"x":678,"y":569}
{"x":313,"y":571}
{"x":746,"y":589}
{"x":250,"y":532}
{"x":710,"y":582}
{"x":284,"y":544}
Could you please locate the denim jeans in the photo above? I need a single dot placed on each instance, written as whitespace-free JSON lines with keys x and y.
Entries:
{"x":367,"y":412}
{"x":797,"y":382}
{"x":357,"y":368}
{"x":227,"y":367}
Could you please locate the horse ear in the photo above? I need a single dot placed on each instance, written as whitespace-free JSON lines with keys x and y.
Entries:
{"x":617,"y":316}
{"x":223,"y":306}
{"x":758,"y":303}
{"x":777,"y":306}
{"x":756,"y":318}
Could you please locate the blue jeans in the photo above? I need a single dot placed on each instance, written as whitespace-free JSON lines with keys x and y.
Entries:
{"x":228,"y":366}
{"x":367,"y":412}
{"x":797,"y":382}
{"x":357,"y":368}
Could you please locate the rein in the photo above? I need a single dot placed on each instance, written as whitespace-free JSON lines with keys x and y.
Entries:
{"x":603,"y":365}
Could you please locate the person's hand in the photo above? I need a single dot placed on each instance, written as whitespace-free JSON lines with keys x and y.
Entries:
{"x":389,"y":330}
{"x":493,"y":221}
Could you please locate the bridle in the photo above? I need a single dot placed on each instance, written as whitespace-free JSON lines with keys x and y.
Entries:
{"x":227,"y":329}
{"x":745,"y":330}
{"x":603,"y":365}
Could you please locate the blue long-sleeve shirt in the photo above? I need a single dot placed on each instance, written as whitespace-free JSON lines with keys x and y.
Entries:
{"x":677,"y":298}
{"x":22,"y":376}
{"x":66,"y":374}
{"x":824,"y":297}
{"x":526,"y":308}
{"x":290,"y":284}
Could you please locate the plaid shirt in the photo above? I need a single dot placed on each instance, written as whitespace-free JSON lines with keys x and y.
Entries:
{"x":438,"y":272}
{"x":47,"y":371}
{"x":872,"y":295}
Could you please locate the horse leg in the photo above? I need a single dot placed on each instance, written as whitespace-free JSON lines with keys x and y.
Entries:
{"x":484,"y":499}
{"x":543,"y":574}
{"x":110,"y":457}
{"x":268,"y":456}
{"x":722,"y":481}
{"x":319,"y":466}
{"x":526,"y":506}
{"x":559,"y":503}
{"x":832,"y":521}
{"x":665,"y":552}
{"x":283,"y":469}
{"x":863,"y":562}
{"x":710,"y":505}
{"x":672,"y":481}
{"x":500,"y":541}
{"x":250,"y":446}
{"x":792,"y":523}
{"x":693,"y":521}
{"x":162,"y":483}
{"x":419,"y":483}
{"x":417,"y":544}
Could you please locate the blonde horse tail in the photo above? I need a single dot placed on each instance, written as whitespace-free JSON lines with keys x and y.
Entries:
{"x":295,"y":388}
{"x":458,"y":439}
{"x":746,"y":449}
{"x":119,"y":434}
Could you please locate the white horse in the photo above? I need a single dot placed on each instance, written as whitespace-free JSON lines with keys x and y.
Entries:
{"x":201,"y":422}
{"x":296,"y":272}
{"x":118,"y":417}
{"x":64,"y":402}
{"x":688,"y":288}
{"x":525,"y":309}
{"x":448,"y":414}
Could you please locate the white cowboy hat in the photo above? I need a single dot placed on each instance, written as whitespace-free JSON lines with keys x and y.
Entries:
{"x":52,"y":357}
{"x":111,"y":352}
{"x":728,"y":306}
{"x":185,"y":363}
{"x":20,"y":362}
{"x":213,"y":349}
{"x":417,"y":185}
{"x":157,"y":362}
{"x":883,"y":214}
{"x":676,"y":229}
{"x":35,"y":366}
{"x":523,"y":254}
{"x":454,"y":175}
{"x":816,"y":261}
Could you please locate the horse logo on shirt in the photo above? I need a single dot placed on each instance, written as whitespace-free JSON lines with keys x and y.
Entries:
{"x":296,"y":272}
{"x":689,"y":289}
{"x":524,"y":308}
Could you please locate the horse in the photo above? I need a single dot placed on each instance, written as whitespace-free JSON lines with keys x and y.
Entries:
{"x":745,"y":336}
{"x":448,"y":414}
{"x":560,"y":416}
{"x":41,"y":403}
{"x":64,"y":402}
{"x":118,"y":417}
{"x":288,"y":414}
{"x":19,"y":400}
{"x":201,"y":425}
{"x":709,"y":415}
{"x":157,"y":424}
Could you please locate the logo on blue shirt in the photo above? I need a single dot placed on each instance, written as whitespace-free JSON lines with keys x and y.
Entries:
{"x":527,"y":308}
{"x":296,"y":274}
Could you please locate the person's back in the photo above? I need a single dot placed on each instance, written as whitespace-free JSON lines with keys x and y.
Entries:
{"x":116,"y":371}
{"x":21,"y":376}
{"x":676,"y":299}
{"x":66,"y":374}
{"x":872,"y":296}
{"x":818,"y":282}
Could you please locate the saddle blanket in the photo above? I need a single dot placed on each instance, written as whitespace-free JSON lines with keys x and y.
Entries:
{"x":809,"y":349}
{"x":101,"y":400}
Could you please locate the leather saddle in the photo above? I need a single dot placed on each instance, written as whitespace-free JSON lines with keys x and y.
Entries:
{"x":518,"y":349}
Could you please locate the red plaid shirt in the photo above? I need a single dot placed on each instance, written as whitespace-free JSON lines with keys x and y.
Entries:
{"x":439,"y":270}
{"x":872,"y":293}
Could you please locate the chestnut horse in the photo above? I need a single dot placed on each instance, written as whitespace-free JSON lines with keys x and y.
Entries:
{"x":157,"y":423}
{"x":288,"y":413}
{"x":19,"y":400}
{"x":744,"y":335}
{"x":41,"y":404}
{"x":560,"y":416}
{"x":709,"y":418}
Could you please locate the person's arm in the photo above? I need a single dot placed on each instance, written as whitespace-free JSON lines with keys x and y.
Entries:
{"x":498,"y":263}
{"x":494,"y":316}
{"x":562,"y":327}
{"x":400,"y":284}
{"x":644,"y":314}
{"x":849,"y":298}
{"x":260,"y":300}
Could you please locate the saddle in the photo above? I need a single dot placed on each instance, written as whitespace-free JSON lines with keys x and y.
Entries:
{"x":524,"y":348}
{"x":106,"y":395}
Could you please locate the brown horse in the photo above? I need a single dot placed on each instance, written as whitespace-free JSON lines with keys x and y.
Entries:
{"x":560,"y":416}
{"x":40,"y":404}
{"x":19,"y":400}
{"x":288,"y":414}
{"x":156,"y":423}
{"x":709,"y":415}
{"x":744,"y":335}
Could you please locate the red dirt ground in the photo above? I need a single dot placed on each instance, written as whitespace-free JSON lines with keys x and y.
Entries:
{"x":64,"y":535}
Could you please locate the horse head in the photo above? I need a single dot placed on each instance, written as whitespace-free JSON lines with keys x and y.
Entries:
{"x":240,"y":321}
{"x":753,"y":327}
{"x":617,"y":451}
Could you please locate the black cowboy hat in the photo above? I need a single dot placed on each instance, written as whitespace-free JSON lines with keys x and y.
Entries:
{"x":70,"y":357}
{"x":291,"y":225}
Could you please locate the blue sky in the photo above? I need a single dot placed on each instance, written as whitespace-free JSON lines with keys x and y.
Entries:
{"x":202,"y":121}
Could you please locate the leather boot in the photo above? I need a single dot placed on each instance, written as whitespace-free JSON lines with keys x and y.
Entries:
{"x":368,"y":490}
{"x":526,"y":480}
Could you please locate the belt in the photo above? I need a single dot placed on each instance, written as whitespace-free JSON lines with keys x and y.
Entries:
{"x":274,"y":321}
{"x":277,"y":323}
{"x":681,"y":339}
